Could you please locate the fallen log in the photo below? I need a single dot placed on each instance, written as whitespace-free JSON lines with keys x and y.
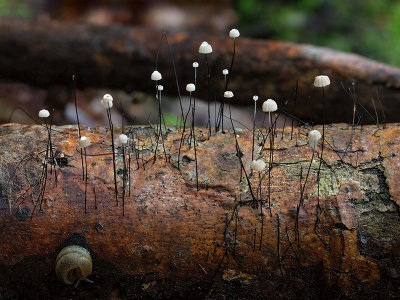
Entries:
{"x":46,"y":54}
{"x":176,"y":242}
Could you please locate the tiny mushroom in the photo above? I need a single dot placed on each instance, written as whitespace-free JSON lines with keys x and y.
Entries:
{"x":190,"y":87}
{"x":156,"y":76}
{"x":123,"y":139}
{"x":321,"y":81}
{"x":205,"y":48}
{"x":84,"y":142}
{"x":258,"y":165}
{"x":44,"y":113}
{"x":313,"y":138}
{"x":228,"y":94}
{"x":107,"y":101}
{"x":269,"y":106}
{"x":234,"y":33}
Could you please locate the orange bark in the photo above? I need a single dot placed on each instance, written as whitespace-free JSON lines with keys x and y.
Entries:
{"x":175,"y":241}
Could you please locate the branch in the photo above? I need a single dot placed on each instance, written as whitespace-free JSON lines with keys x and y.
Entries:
{"x":175,"y":241}
{"x":44,"y":54}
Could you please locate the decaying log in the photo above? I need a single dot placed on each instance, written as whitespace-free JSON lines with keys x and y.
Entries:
{"x":45,"y":54}
{"x":176,"y":242}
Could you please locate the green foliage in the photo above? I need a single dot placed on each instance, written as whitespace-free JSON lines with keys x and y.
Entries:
{"x":367,"y":27}
{"x":16,"y":8}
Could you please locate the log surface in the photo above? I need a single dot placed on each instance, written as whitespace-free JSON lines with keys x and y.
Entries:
{"x":176,"y":242}
{"x":46,"y":54}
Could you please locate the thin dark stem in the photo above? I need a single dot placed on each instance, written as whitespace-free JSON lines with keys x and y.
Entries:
{"x":254,"y":238}
{"x":236,"y":227}
{"x":129,"y":169}
{"x":323,"y":141}
{"x":239,"y":155}
{"x":175,"y":74}
{"x":183,"y":131}
{"x":376,"y":113}
{"x":160,"y":130}
{"x":292,"y":247}
{"x":208,"y":96}
{"x":77,"y":120}
{"x":271,"y":158}
{"x":86,"y":179}
{"x":113,"y":152}
{"x":278,"y":245}
{"x":294,"y":107}
{"x":305,"y":181}
{"x":123,"y":180}
{"x":231,"y":66}
{"x":194,"y":142}
{"x":254,"y":129}
{"x":94,"y":191}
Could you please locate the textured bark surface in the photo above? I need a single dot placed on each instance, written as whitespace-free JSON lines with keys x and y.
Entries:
{"x":176,"y":242}
{"x":46,"y":54}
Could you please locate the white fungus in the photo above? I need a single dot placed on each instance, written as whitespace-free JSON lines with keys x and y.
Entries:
{"x":205,"y":48}
{"x":255,"y":97}
{"x":84,"y":142}
{"x":321,"y":81}
{"x":258,"y":165}
{"x":108,"y":98}
{"x":234,"y":33}
{"x":313,"y":138}
{"x":195,"y":64}
{"x":228,"y":94}
{"x":107,"y":101}
{"x":269,"y":106}
{"x":106,"y":104}
{"x":44,"y":113}
{"x":156,"y":76}
{"x":123,"y":139}
{"x":160,"y":87}
{"x":225,"y":72}
{"x":190,"y":87}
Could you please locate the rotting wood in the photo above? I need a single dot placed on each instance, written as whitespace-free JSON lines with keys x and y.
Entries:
{"x":175,"y":242}
{"x":45,"y":54}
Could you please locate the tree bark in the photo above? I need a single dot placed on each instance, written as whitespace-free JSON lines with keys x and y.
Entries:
{"x":45,"y":54}
{"x":176,"y":242}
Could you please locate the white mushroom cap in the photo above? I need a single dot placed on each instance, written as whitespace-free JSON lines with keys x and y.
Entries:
{"x":84,"y":142}
{"x":160,"y":87}
{"x":156,"y":76}
{"x":107,"y":98}
{"x":255,"y":97}
{"x":269,"y":106}
{"x":313,"y":138}
{"x":234,"y":33}
{"x":190,"y":87}
{"x":123,"y":139}
{"x":44,"y":113}
{"x":258,"y":165}
{"x":106,"y":104}
{"x":195,"y":64}
{"x":321,"y":81}
{"x":205,"y":48}
{"x":228,"y":94}
{"x":225,"y":72}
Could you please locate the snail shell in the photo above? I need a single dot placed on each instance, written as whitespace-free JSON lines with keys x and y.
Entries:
{"x":73,"y":263}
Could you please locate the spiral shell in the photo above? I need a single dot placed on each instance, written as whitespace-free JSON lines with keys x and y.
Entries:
{"x":73,"y":263}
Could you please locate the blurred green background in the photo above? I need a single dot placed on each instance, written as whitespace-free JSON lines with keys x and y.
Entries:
{"x":367,"y":27}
